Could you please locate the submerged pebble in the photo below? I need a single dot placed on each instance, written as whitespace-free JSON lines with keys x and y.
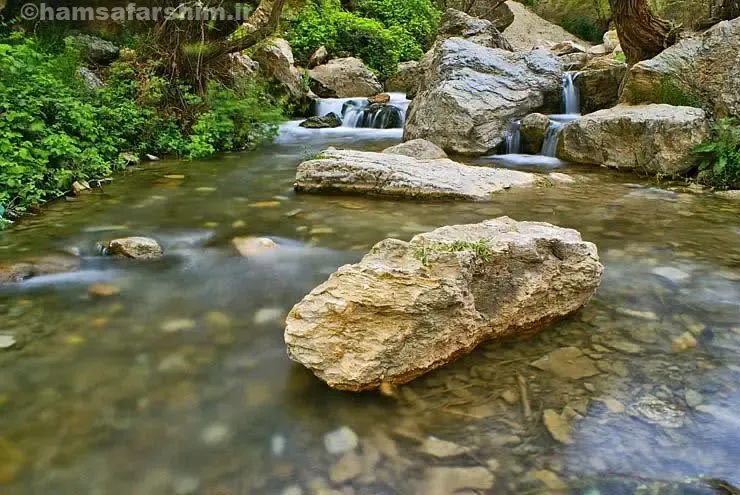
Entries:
{"x":341,"y":441}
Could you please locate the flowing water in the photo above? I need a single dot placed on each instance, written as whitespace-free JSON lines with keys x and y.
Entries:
{"x":180,"y":383}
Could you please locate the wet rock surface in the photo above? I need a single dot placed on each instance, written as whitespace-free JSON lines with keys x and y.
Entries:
{"x":391,"y":174}
{"x":471,"y":94}
{"x":139,"y":248}
{"x":408,"y":308}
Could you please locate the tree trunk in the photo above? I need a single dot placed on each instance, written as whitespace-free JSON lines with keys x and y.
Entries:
{"x":642,"y":34}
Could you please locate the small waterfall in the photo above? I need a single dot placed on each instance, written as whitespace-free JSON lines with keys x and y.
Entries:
{"x":513,"y":139}
{"x":359,"y":113}
{"x":571,"y":105}
{"x":550,"y":144}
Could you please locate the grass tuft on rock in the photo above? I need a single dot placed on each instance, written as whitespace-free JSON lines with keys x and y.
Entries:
{"x":479,"y":248}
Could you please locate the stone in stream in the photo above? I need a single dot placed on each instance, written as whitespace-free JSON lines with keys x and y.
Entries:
{"x":470,"y":94}
{"x":455,"y":23}
{"x":567,"y":362}
{"x":386,"y":174}
{"x":379,"y":99}
{"x":251,"y":246}
{"x":533,"y":128}
{"x":703,"y":70}
{"x":12,"y":461}
{"x":38,"y":266}
{"x":421,"y":149}
{"x":7,"y":341}
{"x":447,"y":480}
{"x":647,"y":139}
{"x":410,"y":307}
{"x":598,"y":88}
{"x":322,"y":122}
{"x":138,"y":248}
{"x":341,"y":441}
{"x":344,"y":78}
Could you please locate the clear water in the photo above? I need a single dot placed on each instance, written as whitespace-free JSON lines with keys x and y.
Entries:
{"x":354,"y":112}
{"x":180,"y":384}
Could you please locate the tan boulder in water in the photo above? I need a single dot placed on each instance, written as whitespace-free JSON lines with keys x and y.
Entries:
{"x":139,"y":248}
{"x":410,"y":307}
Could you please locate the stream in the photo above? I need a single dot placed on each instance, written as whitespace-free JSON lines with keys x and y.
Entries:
{"x":180,"y":383}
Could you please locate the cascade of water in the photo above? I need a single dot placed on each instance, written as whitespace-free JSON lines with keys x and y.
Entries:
{"x":571,"y":104}
{"x":550,"y":144}
{"x":513,"y":139}
{"x":359,"y":113}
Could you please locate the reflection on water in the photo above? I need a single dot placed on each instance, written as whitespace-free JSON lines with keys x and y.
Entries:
{"x":180,"y":383}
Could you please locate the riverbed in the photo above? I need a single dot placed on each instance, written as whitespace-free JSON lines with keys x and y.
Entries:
{"x":180,"y":383}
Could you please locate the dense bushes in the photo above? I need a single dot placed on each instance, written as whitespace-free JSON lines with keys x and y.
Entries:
{"x":721,"y":155}
{"x":380,"y":32}
{"x":54,"y":131}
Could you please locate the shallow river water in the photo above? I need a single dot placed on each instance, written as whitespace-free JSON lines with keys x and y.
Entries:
{"x":180,"y":383}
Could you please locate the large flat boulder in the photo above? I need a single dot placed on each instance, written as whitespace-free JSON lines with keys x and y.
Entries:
{"x":471,"y":94}
{"x":455,"y":23}
{"x":650,"y":139}
{"x":410,"y":307}
{"x":344,"y":78}
{"x":701,"y":71}
{"x":389,"y":174}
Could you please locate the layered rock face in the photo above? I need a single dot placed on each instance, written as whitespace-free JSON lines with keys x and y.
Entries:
{"x":390,"y":174}
{"x":651,"y":139}
{"x":704,"y":70}
{"x":344,"y":78}
{"x":410,"y":307}
{"x":471,"y":94}
{"x":480,"y":31}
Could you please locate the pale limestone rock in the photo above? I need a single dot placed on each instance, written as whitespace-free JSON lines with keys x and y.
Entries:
{"x":410,"y":307}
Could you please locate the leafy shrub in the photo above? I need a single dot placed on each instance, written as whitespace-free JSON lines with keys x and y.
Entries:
{"x":721,"y":155}
{"x":381,"y":32}
{"x":237,"y":119}
{"x":583,"y":28}
{"x":419,"y":19}
{"x":54,"y":131}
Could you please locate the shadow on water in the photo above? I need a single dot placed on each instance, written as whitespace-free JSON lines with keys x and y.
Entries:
{"x":180,"y":383}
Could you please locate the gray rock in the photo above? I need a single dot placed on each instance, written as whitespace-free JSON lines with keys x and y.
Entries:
{"x":18,"y":271}
{"x":242,"y":65}
{"x":599,"y":89}
{"x":610,"y":40}
{"x":410,"y":307}
{"x":575,"y":61}
{"x":672,"y":274}
{"x":567,"y":47}
{"x":344,"y":78}
{"x":528,"y":29}
{"x":275,"y":59}
{"x":140,"y":248}
{"x":567,"y":362}
{"x":91,"y":81}
{"x":471,"y":94}
{"x":702,"y":70}
{"x":441,"y":449}
{"x":533,"y":128}
{"x":318,"y":57}
{"x":324,"y":122}
{"x":348,"y":467}
{"x":406,"y":78}
{"x":657,"y":411}
{"x":387,"y":174}
{"x":455,"y":23}
{"x":421,"y":149}
{"x":341,"y":441}
{"x":557,"y":425}
{"x":649,"y":139}
{"x":95,"y":50}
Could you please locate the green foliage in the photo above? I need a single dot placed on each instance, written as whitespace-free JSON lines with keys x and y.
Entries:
{"x":380,"y":32}
{"x":721,"y":155}
{"x":620,"y":57}
{"x":583,"y":28}
{"x":672,"y":94}
{"x":53,"y":130}
{"x":237,"y":119}
{"x":479,"y":248}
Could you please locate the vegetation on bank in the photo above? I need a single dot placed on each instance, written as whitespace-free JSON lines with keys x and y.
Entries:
{"x":720,"y":165}
{"x":382,"y":33}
